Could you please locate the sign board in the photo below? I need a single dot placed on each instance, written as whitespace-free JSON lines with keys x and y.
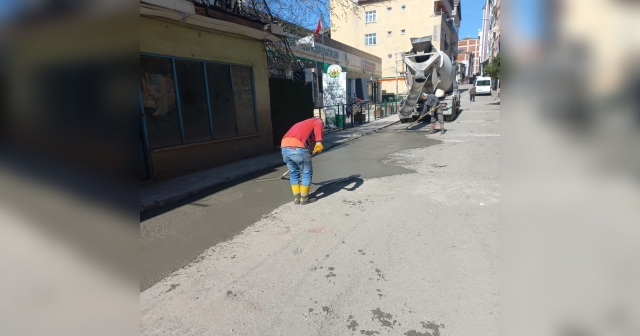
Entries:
{"x":334,"y":85}
{"x":367,"y":66}
{"x":348,"y":62}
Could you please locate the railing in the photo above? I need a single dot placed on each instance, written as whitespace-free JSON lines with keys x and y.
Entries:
{"x":343,"y":116}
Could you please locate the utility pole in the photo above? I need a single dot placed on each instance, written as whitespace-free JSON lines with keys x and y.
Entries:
{"x":396,"y":76}
{"x":316,"y":82}
{"x":321,"y":32}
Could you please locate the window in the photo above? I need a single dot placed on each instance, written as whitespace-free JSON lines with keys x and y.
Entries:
{"x":403,"y":7}
{"x":193,"y":101}
{"x":221,"y":98}
{"x":389,"y":33}
{"x":388,"y":9}
{"x":370,"y":17}
{"x":390,"y":56}
{"x":159,"y":101}
{"x":370,"y":39}
{"x":403,"y":31}
{"x":213,"y":101}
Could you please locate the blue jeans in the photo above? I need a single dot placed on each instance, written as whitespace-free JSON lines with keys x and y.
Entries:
{"x":298,"y":160}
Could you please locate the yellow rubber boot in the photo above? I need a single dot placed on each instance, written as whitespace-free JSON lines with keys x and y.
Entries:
{"x":295,"y":188}
{"x":304,"y":195}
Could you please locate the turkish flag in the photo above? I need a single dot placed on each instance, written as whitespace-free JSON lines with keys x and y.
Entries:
{"x":318,"y":29}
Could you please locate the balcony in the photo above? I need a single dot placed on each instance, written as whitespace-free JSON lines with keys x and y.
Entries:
{"x":443,"y":7}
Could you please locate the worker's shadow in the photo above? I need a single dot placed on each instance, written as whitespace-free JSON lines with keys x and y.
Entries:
{"x":328,"y":188}
{"x":420,"y":125}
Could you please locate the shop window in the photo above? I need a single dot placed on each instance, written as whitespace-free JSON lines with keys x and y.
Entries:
{"x":190,"y":117}
{"x":193,"y":101}
{"x":221,"y":97}
{"x":159,"y":101}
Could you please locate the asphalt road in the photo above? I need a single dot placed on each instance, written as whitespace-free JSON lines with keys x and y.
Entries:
{"x":409,"y":248}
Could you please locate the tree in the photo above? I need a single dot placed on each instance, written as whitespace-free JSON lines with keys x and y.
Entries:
{"x":297,"y":17}
{"x":493,"y":69}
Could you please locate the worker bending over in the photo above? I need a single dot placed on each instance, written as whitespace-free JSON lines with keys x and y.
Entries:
{"x":430,"y":104}
{"x":295,"y":153}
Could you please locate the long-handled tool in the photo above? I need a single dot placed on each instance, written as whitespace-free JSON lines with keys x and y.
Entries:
{"x":275,"y":178}
{"x":272,"y":178}
{"x":422,"y":116}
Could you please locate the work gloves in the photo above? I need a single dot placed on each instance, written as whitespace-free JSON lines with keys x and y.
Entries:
{"x":317,"y":148}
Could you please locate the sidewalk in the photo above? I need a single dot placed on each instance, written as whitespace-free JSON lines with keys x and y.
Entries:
{"x":169,"y":191}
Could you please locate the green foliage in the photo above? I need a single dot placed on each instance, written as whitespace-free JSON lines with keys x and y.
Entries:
{"x":493,"y":69}
{"x":291,"y":102}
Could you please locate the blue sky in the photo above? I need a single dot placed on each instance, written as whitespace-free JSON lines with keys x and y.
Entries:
{"x":528,"y":16}
{"x":471,"y":18}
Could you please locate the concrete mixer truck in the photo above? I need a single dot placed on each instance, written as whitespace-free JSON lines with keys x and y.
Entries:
{"x":427,"y":70}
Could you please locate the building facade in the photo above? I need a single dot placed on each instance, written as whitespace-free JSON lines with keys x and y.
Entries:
{"x":362,"y":69}
{"x":204,"y":97}
{"x":465,"y":64}
{"x":384,"y":29}
{"x":495,"y":29}
{"x":490,"y":32}
{"x":471,"y":46}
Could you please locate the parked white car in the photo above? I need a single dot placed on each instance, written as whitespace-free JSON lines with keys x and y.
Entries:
{"x":483,"y":85}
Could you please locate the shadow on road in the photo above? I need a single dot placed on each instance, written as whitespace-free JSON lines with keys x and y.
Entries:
{"x":494,"y":103}
{"x":420,"y":124}
{"x":331,"y":187}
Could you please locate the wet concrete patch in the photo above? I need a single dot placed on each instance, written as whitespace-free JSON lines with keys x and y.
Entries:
{"x":380,"y":275}
{"x":173,"y":236}
{"x":385,"y":319}
{"x":431,"y":329}
{"x":352,"y":324}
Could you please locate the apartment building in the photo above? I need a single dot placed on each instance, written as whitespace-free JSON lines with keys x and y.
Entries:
{"x":495,"y":29}
{"x":464,"y":66}
{"x":384,"y":29}
{"x":466,"y":46}
{"x":490,"y":32}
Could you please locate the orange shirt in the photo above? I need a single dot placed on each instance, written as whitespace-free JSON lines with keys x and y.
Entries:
{"x":291,"y":142}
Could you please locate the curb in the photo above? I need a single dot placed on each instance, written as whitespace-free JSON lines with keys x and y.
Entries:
{"x":177,"y":198}
{"x":173,"y":199}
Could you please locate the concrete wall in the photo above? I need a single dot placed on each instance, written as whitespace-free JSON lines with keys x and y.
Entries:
{"x":175,"y":39}
{"x":417,"y":21}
